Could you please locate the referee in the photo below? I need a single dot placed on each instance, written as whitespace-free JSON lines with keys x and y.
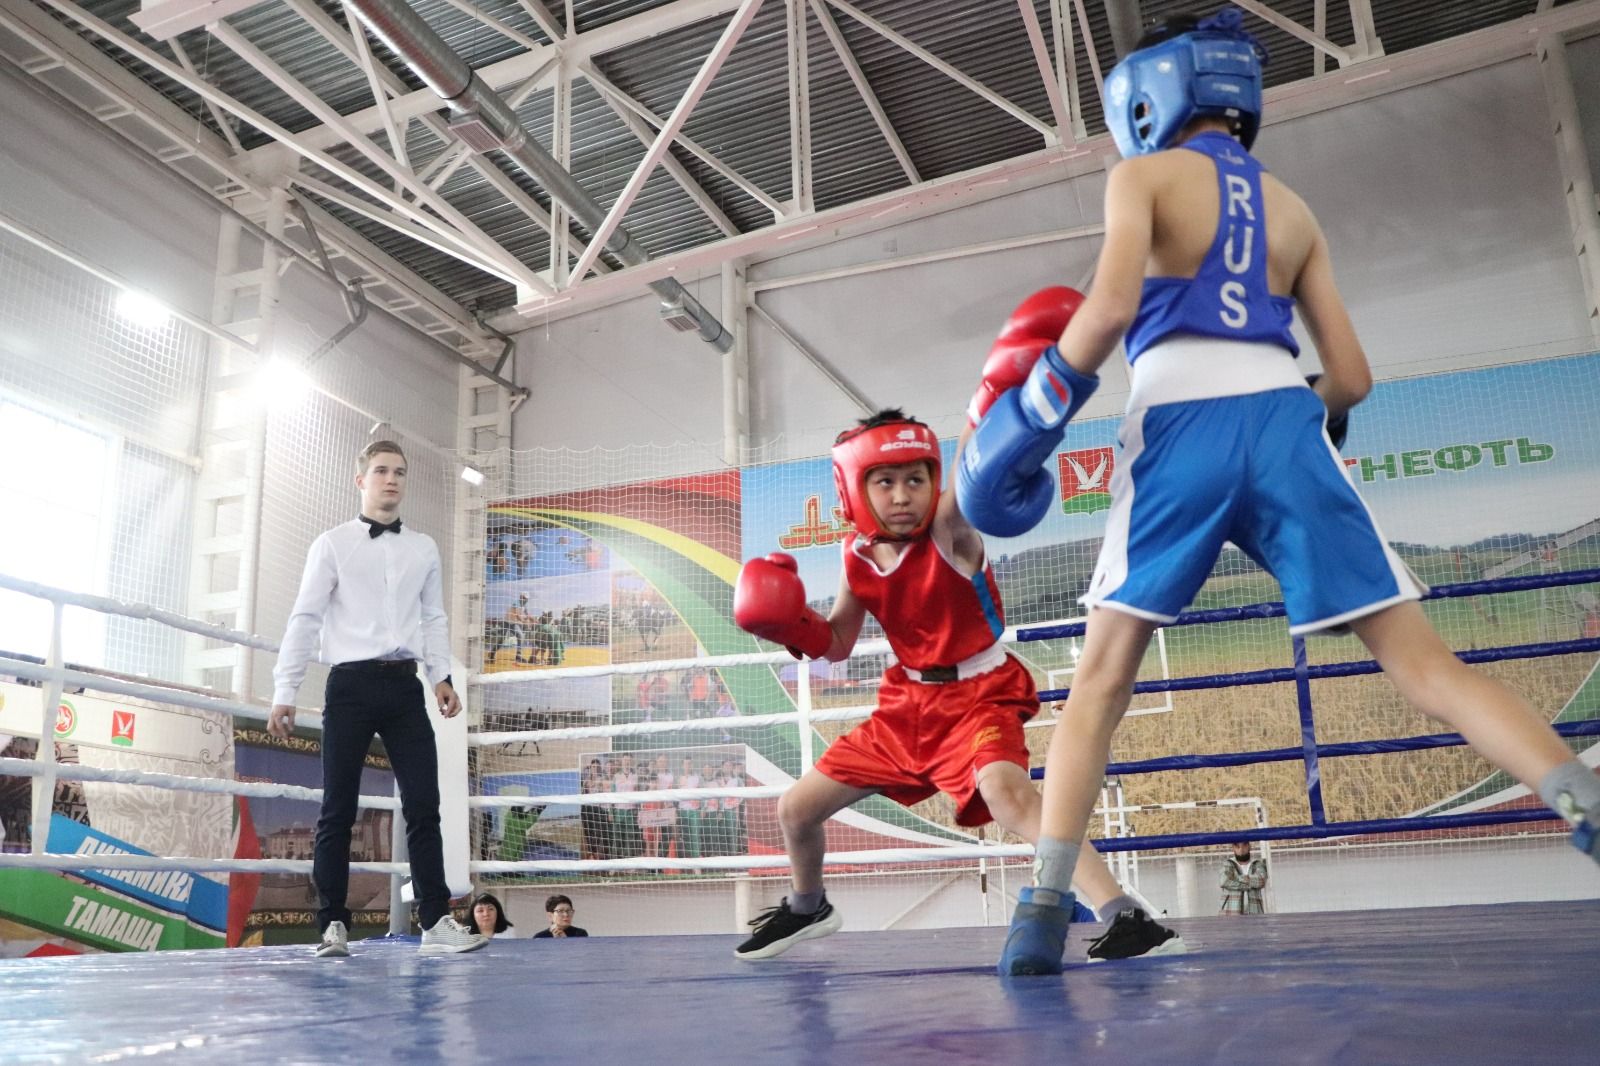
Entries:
{"x":371,"y":592}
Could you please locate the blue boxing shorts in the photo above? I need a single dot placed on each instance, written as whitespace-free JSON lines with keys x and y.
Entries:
{"x":1257,"y":470}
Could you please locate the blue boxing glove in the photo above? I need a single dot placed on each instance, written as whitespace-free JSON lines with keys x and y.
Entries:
{"x":1338,"y":427}
{"x":1003,"y":486}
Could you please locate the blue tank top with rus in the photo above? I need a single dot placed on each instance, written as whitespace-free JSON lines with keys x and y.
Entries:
{"x":1228,"y":298}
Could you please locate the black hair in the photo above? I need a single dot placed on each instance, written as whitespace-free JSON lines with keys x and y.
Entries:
{"x":500,"y":922}
{"x":557,"y":900}
{"x":887,"y":415}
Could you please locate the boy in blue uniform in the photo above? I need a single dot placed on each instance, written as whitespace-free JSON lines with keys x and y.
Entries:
{"x":1205,"y":258}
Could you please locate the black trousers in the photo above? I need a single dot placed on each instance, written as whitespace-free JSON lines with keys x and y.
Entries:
{"x":386,"y":701}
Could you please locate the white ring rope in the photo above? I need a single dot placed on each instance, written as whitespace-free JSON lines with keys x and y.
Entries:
{"x":560,"y":673}
{"x":756,"y":658}
{"x":176,"y":697}
{"x":602,"y":799}
{"x":883,"y":856}
{"x":191,"y":864}
{"x":1187,"y":805}
{"x":729,"y":722}
{"x":106,"y":605}
{"x":182,"y":783}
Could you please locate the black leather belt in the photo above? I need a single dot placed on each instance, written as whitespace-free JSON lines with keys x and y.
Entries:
{"x":371,"y":666}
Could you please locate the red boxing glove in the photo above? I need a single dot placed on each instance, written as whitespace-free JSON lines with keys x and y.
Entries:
{"x":1035,"y":325}
{"x":769,"y":601}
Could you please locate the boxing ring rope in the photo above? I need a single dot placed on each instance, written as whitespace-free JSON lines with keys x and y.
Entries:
{"x":1309,"y":752}
{"x":181,"y":783}
{"x":56,"y":675}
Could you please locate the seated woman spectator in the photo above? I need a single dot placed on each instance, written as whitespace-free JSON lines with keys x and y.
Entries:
{"x":488,"y":917}
{"x":559,"y":910}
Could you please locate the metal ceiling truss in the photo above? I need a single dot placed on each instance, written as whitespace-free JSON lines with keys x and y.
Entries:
{"x":71,"y":68}
{"x":1077,"y":155}
{"x":390,"y":186}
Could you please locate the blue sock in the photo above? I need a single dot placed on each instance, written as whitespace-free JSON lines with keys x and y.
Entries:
{"x":1053,"y":863}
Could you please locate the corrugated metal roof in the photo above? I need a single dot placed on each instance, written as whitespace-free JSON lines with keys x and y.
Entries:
{"x":743,"y":117}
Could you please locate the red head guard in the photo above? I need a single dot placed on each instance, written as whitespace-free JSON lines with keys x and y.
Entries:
{"x":857,"y":451}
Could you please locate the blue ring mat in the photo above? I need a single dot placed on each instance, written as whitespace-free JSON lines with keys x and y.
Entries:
{"x":1457,"y":985}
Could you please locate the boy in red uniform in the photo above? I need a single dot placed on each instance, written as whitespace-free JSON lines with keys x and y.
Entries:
{"x":950,"y":711}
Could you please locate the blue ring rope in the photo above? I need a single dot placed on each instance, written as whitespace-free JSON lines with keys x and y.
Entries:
{"x":1308,"y":732}
{"x":1310,"y":752}
{"x":1589,"y":727}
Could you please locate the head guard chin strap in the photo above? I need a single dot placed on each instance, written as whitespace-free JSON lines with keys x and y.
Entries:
{"x":1212,"y":70}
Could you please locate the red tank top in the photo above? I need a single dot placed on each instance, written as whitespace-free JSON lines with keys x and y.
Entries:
{"x":932,"y":614}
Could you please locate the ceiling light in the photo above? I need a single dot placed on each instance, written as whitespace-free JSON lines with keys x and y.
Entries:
{"x":142,"y":310}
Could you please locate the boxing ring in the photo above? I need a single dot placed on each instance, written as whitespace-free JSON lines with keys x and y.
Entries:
{"x":1463,"y":984}
{"x":1460,"y":985}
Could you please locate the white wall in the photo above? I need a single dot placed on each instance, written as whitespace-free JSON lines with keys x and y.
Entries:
{"x":64,"y":350}
{"x":1443,"y":206}
{"x":1335,"y":878}
{"x":1444,"y":211}
{"x":617,"y":377}
{"x":64,"y":175}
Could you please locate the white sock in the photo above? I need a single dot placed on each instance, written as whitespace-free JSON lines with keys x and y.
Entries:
{"x":1053,"y":863}
{"x":1115,"y":906}
{"x":1573,"y":791}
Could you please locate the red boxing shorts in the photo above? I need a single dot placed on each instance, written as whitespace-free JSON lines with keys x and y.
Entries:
{"x":927,"y":738}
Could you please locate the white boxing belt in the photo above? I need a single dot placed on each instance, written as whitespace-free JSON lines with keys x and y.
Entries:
{"x":988,"y":659}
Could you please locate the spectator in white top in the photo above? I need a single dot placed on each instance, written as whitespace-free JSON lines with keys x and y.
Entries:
{"x":371,"y":593}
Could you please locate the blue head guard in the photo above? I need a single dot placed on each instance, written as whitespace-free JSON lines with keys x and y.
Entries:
{"x":1214,"y":69}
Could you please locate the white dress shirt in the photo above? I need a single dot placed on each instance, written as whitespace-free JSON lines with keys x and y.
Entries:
{"x":366,"y":598}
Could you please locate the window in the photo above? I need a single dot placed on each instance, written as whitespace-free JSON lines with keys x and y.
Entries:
{"x":55,"y":482}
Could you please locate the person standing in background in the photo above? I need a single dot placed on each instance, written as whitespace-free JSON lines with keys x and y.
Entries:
{"x":1243,"y":881}
{"x":370,"y":599}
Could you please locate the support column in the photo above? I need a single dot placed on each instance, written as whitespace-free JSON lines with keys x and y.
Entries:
{"x":227,"y":509}
{"x":483,"y":441}
{"x":1577,"y":180}
{"x":799,"y":111}
{"x":561,"y":148}
{"x":735,"y":365}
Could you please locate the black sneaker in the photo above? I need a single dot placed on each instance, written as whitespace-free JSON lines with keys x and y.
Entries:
{"x":779,"y":928}
{"x":1133,"y":933}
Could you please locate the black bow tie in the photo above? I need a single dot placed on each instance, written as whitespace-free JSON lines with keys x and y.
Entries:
{"x":376,"y":529}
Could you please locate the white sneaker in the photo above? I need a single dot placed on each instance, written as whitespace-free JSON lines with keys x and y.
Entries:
{"x":450,"y":937}
{"x":335,"y":942}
